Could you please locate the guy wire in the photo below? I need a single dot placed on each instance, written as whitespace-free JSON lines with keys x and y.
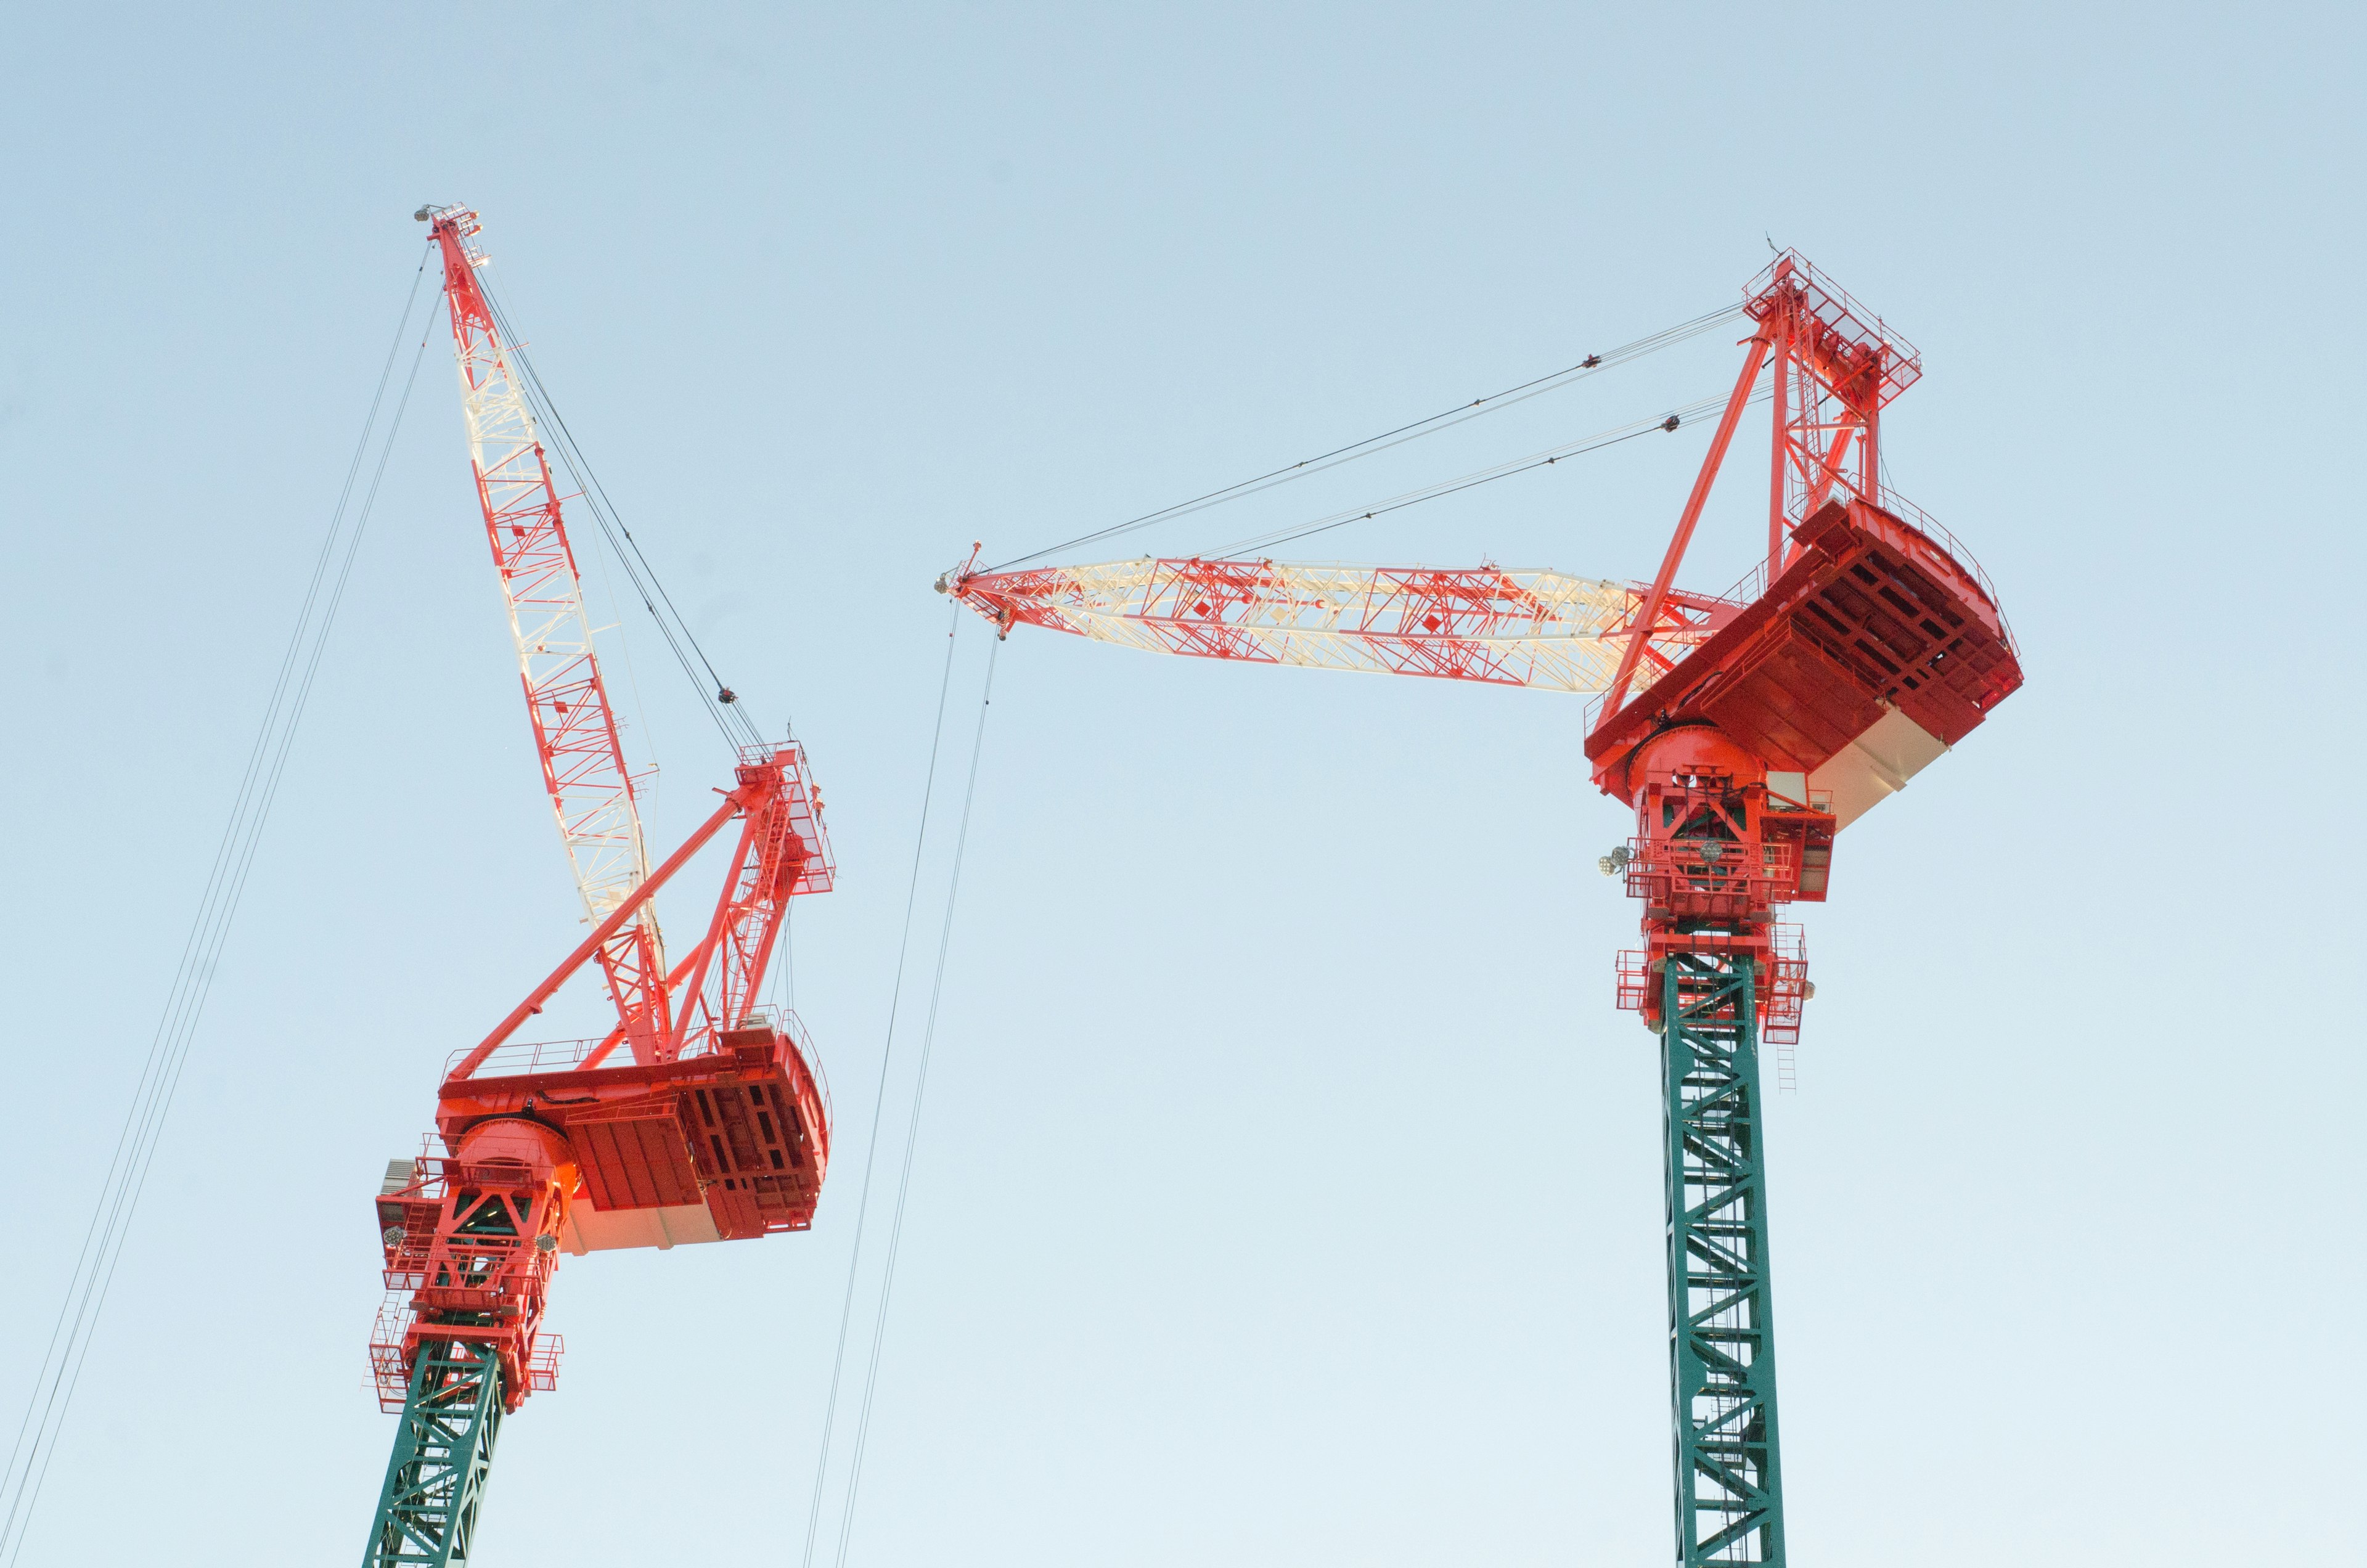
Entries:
{"x":880,"y":1103}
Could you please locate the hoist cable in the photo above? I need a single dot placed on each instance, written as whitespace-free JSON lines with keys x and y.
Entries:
{"x":880,"y":1104}
{"x":127,"y":1177}
{"x":717,"y":697}
{"x":1592,"y":365}
{"x":912,"y":1124}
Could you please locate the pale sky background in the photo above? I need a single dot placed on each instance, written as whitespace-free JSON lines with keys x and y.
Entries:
{"x":1289,"y":1188}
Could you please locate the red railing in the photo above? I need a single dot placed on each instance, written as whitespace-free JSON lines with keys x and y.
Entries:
{"x":1753,"y":583}
{"x":1787,"y":990}
{"x":1635,"y":980}
{"x":1709,"y":876}
{"x":542,"y":1369}
{"x":520,"y":1057}
{"x":387,"y":1371}
{"x":1852,"y":328}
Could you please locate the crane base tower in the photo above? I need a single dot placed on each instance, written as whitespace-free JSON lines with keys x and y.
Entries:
{"x":1729,"y":1494}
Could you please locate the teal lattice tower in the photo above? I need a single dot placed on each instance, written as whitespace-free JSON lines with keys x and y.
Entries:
{"x":1729,"y":1485}
{"x":435,"y":1480}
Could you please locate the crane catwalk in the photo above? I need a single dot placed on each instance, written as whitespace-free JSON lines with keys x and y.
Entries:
{"x":1744,"y":729}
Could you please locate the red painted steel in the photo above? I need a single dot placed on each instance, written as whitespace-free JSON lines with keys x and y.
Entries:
{"x":575,"y":724}
{"x":713,"y":1126}
{"x":1761,"y":721}
{"x":1658,"y":592}
{"x":722,"y":1134}
{"x":1867,"y":644}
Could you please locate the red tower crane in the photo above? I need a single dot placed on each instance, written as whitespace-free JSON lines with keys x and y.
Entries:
{"x":1764,"y":720}
{"x":694,"y":1118}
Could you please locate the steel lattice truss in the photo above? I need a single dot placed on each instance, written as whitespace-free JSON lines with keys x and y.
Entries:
{"x":1837,"y":366}
{"x":1489,"y":624}
{"x":583,"y":768}
{"x":427,"y":1507}
{"x":1729,"y":1496}
{"x":709,"y":1125}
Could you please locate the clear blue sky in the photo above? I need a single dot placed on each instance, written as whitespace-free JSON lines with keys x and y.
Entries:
{"x":1289,"y":1188}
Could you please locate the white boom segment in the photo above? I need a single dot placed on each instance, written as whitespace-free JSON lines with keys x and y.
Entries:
{"x":1524,"y":627}
{"x":591,"y":790}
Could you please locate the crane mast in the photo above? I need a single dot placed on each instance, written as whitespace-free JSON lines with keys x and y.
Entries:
{"x":575,"y":732}
{"x":710,"y":1126}
{"x":1745,"y":730}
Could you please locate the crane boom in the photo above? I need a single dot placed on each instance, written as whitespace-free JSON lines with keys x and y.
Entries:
{"x":583,"y":768}
{"x":1494,"y":624}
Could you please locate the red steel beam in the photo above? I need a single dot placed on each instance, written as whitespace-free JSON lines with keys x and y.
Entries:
{"x":1669,"y":563}
{"x":606,"y":929}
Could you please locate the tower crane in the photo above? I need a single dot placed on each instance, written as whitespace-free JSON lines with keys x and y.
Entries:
{"x":1745,"y":730}
{"x":695,"y":1118}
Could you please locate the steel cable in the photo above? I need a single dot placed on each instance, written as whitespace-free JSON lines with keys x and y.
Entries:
{"x":125,"y":1180}
{"x":912,"y":1124}
{"x":1447,"y":418}
{"x":879,"y":1102}
{"x":672,"y":625}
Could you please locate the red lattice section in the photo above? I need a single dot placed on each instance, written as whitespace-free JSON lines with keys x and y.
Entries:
{"x":1709,"y":878}
{"x":1853,"y":351}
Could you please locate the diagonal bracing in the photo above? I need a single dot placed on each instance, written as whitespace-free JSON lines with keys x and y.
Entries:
{"x":1729,"y":1497}
{"x":427,"y":1507}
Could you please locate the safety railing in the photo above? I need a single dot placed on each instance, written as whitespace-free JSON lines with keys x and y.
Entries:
{"x":1709,"y":876}
{"x":391,"y":1379}
{"x":1635,"y":980}
{"x":542,"y":1366}
{"x":1950,"y":549}
{"x":519,"y":1057}
{"x":1790,"y":279}
{"x":1787,"y":993}
{"x":1931,"y":527}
